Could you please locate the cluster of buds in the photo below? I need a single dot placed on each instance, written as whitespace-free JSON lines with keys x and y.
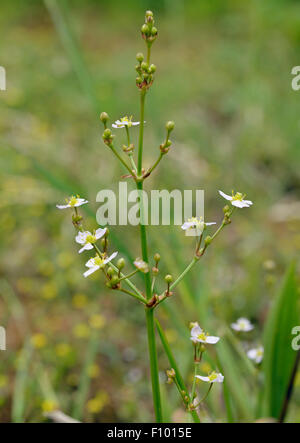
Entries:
{"x":227,"y":213}
{"x":149,"y":31}
{"x":128,"y":149}
{"x":107,"y":136}
{"x":171,"y":374}
{"x":145,"y":72}
{"x":114,"y":276}
{"x":165,"y":147}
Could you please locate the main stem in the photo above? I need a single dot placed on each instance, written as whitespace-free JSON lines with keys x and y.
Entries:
{"x":149,"y":311}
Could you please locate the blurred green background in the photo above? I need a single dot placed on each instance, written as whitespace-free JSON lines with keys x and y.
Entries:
{"x":224,"y":76}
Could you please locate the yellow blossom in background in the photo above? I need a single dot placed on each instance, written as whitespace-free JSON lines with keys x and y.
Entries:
{"x":171,"y":335}
{"x":73,"y":379}
{"x":93,"y":371}
{"x":96,"y":404}
{"x":46,"y":268}
{"x":65,"y":259}
{"x":81,"y":330}
{"x":63,"y":349}
{"x":205,"y":367}
{"x":49,"y":405}
{"x":3,"y":380}
{"x":38,"y":341}
{"x":79,"y":301}
{"x":97,"y":321}
{"x":49,"y":291}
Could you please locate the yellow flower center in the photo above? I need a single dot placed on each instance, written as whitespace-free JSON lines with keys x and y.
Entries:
{"x":98,"y":261}
{"x":238,"y":196}
{"x":127,"y":120}
{"x":90,"y":239}
{"x":202,"y":336}
{"x":199,"y":223}
{"x":259,"y":353}
{"x":213,"y":376}
{"x":73,"y":200}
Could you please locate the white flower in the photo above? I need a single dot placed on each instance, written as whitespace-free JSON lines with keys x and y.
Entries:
{"x":125,"y":121}
{"x":87,"y":239}
{"x":256,"y":354}
{"x":199,"y":336}
{"x":242,"y":324}
{"x":97,"y":262}
{"x":197,"y":223}
{"x":214,"y":377}
{"x":73,"y":202}
{"x":237,"y":199}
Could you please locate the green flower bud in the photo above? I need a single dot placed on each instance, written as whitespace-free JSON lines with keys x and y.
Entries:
{"x":156,"y":257}
{"x":168,"y":278}
{"x":107,"y":134}
{"x":104,"y":117}
{"x":226,"y":209}
{"x":140,"y":57}
{"x":155,"y":270}
{"x":144,"y":66}
{"x":152,"y":68}
{"x":139,"y":80}
{"x":149,"y":13}
{"x":110,"y":271}
{"x":154,"y":31}
{"x":168,"y":144}
{"x":106,"y":233}
{"x":120,"y":263}
{"x":145,"y":29}
{"x":114,"y":280}
{"x":170,"y":126}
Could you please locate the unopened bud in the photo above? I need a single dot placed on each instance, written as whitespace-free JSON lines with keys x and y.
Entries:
{"x":154,"y":31}
{"x":104,"y":117}
{"x":155,"y":270}
{"x":110,"y":271}
{"x":168,"y":278}
{"x":157,"y":257}
{"x":171,"y":373}
{"x":144,"y":66}
{"x":115,"y":280}
{"x":120,"y":263}
{"x":152,"y":68}
{"x":140,"y":57}
{"x":145,"y":29}
{"x":170,"y":126}
{"x":107,"y":134}
{"x":226,"y":209}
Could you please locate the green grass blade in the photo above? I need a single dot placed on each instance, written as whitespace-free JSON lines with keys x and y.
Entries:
{"x":21,"y":380}
{"x":279,"y":356}
{"x":85,"y":380}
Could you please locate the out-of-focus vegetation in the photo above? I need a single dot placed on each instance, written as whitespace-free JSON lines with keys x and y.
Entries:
{"x":224,"y":77}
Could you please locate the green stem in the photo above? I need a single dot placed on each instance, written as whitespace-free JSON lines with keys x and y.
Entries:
{"x":173,"y":365}
{"x":149,"y":311}
{"x":150,"y":170}
{"x":194,"y":381}
{"x":132,"y":294}
{"x":141,"y":134}
{"x":120,"y":158}
{"x":153,"y":365}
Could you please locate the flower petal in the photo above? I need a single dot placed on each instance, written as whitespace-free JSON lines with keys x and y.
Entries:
{"x":228,"y":197}
{"x":91,"y":271}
